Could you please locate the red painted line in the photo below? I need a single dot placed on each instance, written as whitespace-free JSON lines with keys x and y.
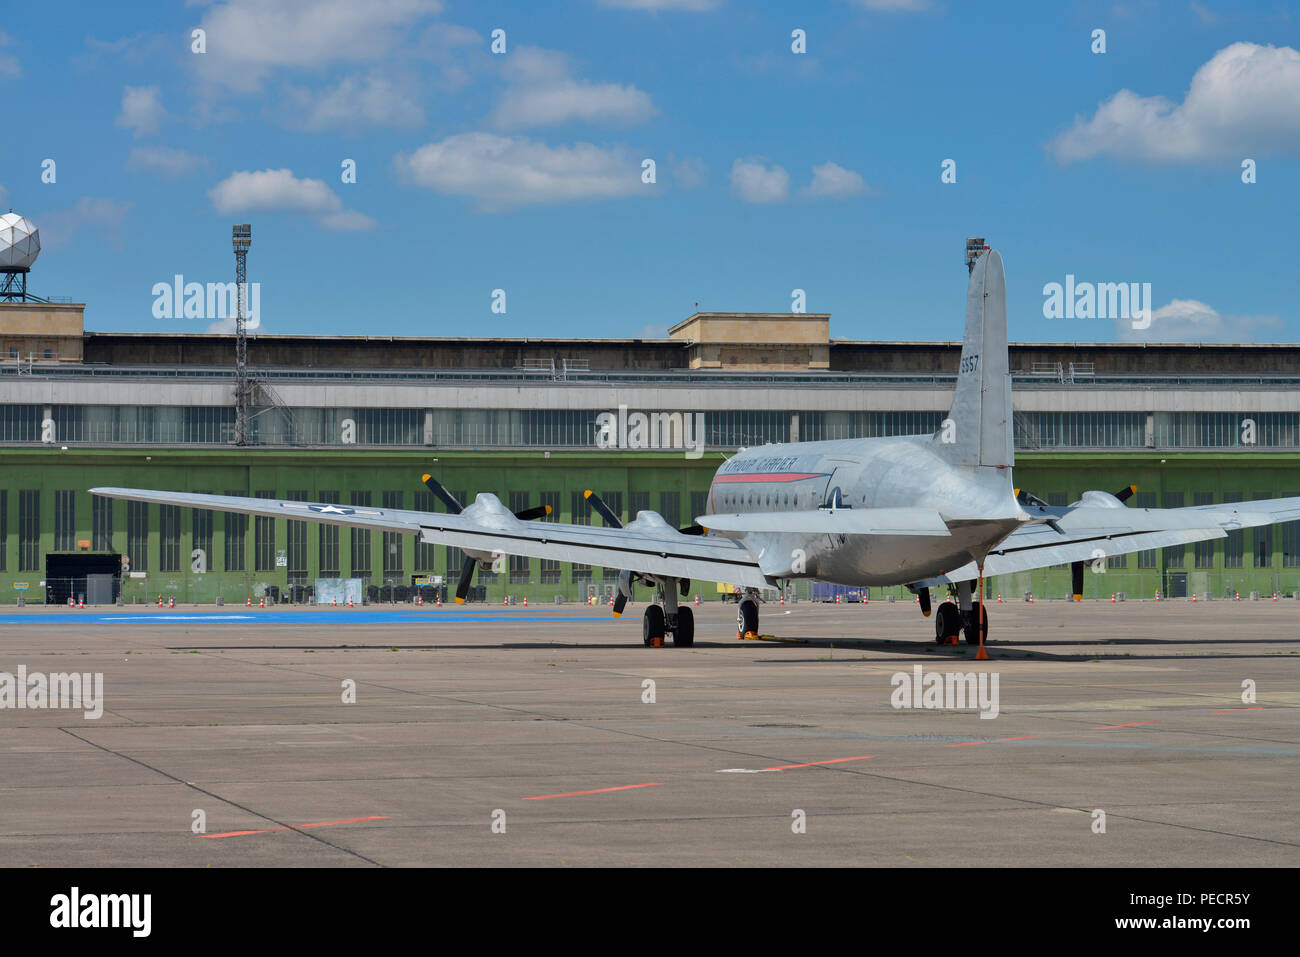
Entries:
{"x":1023,"y":737}
{"x":967,"y":744}
{"x":622,"y":787}
{"x":1239,"y":710}
{"x":813,"y":764}
{"x":964,"y":744}
{"x":270,"y":830}
{"x":1132,"y":724}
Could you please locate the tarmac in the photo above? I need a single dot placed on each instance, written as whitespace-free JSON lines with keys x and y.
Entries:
{"x":1133,"y":734}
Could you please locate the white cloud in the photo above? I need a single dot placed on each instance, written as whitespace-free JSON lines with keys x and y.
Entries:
{"x":355,"y":103}
{"x":247,"y":39}
{"x":1244,"y":102}
{"x":165,"y":161}
{"x":543,"y":91}
{"x":832,"y":181}
{"x":500,"y":172}
{"x":142,"y":111}
{"x":105,"y":216}
{"x":1187,"y":320}
{"x":278,"y":190}
{"x":755,"y":182}
{"x":693,"y":6}
{"x":9,"y":65}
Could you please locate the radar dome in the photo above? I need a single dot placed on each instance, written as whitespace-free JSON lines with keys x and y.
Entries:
{"x":20,"y":241}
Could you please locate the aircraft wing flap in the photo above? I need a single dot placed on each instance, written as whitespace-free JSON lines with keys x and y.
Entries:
{"x":838,"y":521}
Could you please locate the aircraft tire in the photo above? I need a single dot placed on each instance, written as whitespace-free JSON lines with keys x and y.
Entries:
{"x":947,"y":621}
{"x":684,"y":633}
{"x":652,"y":624}
{"x":747,"y":618}
{"x":972,"y":637}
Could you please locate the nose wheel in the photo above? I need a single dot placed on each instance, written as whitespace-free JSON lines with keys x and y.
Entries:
{"x":747,"y":619}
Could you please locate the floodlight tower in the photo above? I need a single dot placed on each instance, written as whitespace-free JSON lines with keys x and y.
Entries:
{"x":242,"y":238}
{"x":974,"y":247}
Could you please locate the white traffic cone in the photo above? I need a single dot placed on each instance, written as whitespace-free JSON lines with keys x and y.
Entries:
{"x":81,"y":602}
{"x":248,"y":602}
{"x":350,"y":605}
{"x":437,"y":600}
{"x":171,"y":602}
{"x":261,"y":602}
{"x":419,"y":599}
{"x":525,"y":601}
{"x":999,"y":598}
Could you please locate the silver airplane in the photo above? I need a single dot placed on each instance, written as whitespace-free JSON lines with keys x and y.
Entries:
{"x":919,"y":510}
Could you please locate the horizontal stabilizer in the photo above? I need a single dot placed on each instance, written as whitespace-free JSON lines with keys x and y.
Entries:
{"x":839,"y":521}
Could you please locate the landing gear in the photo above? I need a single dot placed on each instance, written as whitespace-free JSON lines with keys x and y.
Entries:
{"x":652,"y":626}
{"x":947,"y":623}
{"x":670,"y":617}
{"x":968,"y":625}
{"x":684,"y":633}
{"x":747,"y":619}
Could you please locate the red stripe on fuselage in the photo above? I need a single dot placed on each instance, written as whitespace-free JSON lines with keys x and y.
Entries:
{"x":770,"y":477}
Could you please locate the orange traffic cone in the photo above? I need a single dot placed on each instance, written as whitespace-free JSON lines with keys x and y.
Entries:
{"x":336,"y":601}
{"x":1193,"y":596}
{"x":437,"y":600}
{"x":1238,"y":598}
{"x":1031,"y":598}
{"x":1157,"y":594}
{"x":782,"y":597}
{"x":999,"y":598}
{"x":837,"y":599}
{"x":1112,"y":598}
{"x":81,"y":602}
{"x":171,"y":602}
{"x":419,"y":600}
{"x":71,"y":601}
{"x":1275,"y":596}
{"x":160,"y":601}
{"x":697,"y":601}
{"x":261,"y":602}
{"x":350,"y":605}
{"x":248,"y":602}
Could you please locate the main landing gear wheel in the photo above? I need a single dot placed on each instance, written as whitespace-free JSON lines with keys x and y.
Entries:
{"x":968,"y":628}
{"x":652,"y":626}
{"x":947,"y":623}
{"x":747,"y":619}
{"x":684,"y":633}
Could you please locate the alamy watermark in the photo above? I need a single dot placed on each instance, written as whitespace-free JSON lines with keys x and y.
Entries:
{"x":651,"y":430}
{"x":57,"y":690}
{"x":946,"y":691}
{"x":1102,"y":300}
{"x":179,"y":299}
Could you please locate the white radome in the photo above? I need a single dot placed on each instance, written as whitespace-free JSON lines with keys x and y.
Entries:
{"x":20,"y":241}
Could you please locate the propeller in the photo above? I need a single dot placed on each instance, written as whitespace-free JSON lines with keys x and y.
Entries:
{"x":1076,"y":568}
{"x":625,"y":578}
{"x":453,"y":506}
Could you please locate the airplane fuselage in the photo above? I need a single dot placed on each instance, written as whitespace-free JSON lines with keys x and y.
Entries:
{"x":896,"y":472}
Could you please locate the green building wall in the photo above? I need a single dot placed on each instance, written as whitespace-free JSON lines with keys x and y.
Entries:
{"x":250,"y":472}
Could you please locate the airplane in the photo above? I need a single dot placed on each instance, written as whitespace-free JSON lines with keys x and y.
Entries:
{"x":923,"y":511}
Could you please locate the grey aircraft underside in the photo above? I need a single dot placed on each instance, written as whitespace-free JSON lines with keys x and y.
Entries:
{"x":919,"y":510}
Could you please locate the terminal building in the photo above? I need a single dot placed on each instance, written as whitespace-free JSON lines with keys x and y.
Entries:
{"x":358,"y":420}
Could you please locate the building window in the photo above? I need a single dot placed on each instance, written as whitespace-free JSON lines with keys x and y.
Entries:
{"x":1146,"y":559}
{"x":1174,"y":554}
{"x":361,"y":540}
{"x":264,"y":538}
{"x":580,"y":514}
{"x":29,"y":530}
{"x":520,"y":574}
{"x":670,"y":507}
{"x":101,"y":523}
{"x":1234,"y":546}
{"x":550,"y":573}
{"x":329,"y":540}
{"x":4,"y":529}
{"x":296,"y":542}
{"x":236,"y":530}
{"x":393,"y":540}
{"x":169,"y":538}
{"x":201,"y":535}
{"x":1263,"y":550}
{"x":1204,"y":551}
{"x":637,"y":502}
{"x":65,"y":520}
{"x":137,"y":535}
{"x":424,"y":551}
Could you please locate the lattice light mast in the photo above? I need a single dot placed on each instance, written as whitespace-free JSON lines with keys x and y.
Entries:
{"x":242,"y":238}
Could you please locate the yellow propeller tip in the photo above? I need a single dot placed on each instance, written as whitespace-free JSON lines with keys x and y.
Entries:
{"x":617,"y":614}
{"x":460,"y":601}
{"x":587,"y":494}
{"x":548,"y":509}
{"x":425,"y":477}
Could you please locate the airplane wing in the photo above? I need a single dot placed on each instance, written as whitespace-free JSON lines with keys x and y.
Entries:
{"x":1086,"y":533}
{"x":648,"y":545}
{"x":842,"y":521}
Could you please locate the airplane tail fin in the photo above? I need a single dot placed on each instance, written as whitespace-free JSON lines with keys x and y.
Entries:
{"x":978,"y":429}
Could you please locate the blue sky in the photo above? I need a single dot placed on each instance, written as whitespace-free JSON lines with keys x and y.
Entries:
{"x":775,"y":170}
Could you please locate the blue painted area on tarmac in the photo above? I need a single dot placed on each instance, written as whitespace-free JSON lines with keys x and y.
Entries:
{"x":272,"y":617}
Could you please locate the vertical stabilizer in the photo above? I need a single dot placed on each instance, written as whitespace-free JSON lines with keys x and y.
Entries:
{"x":979,"y":430}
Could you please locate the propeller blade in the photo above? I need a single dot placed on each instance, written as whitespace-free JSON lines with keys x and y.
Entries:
{"x":924,"y":595}
{"x":620,"y":602}
{"x":438,"y":489}
{"x":1126,"y":492}
{"x":601,"y":509}
{"x":528,"y":514}
{"x":466,"y":576}
{"x":1076,"y":580}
